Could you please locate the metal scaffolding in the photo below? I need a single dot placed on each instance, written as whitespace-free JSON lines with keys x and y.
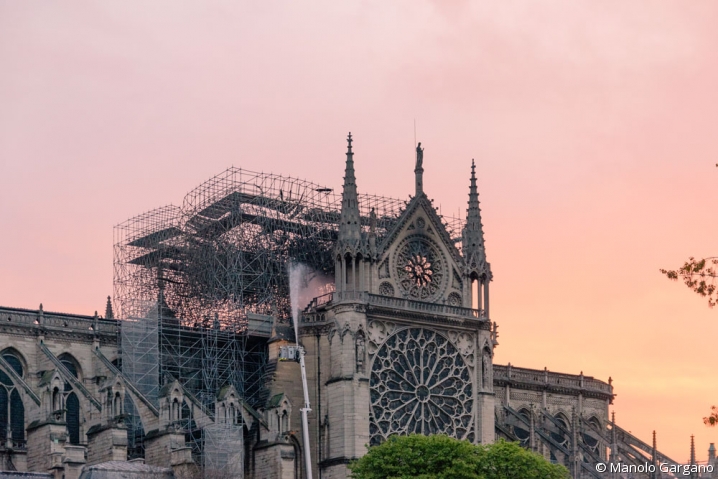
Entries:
{"x":200,"y":283}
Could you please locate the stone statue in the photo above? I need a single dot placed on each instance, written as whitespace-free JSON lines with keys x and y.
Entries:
{"x":360,"y":348}
{"x":419,"y":156}
{"x":485,"y":368}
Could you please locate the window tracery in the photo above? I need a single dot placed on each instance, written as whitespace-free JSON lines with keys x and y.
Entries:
{"x":12,"y":410}
{"x":420,"y":384}
{"x":419,"y":268}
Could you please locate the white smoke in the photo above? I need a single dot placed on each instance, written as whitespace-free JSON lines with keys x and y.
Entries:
{"x":305,"y":284}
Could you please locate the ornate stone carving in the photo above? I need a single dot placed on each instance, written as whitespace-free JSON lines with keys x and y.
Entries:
{"x":420,"y":268}
{"x":454,"y":299}
{"x":378,"y":331}
{"x":456,"y":280}
{"x":419,"y":383}
{"x":384,"y":269}
{"x":386,"y":289}
{"x":360,"y":352}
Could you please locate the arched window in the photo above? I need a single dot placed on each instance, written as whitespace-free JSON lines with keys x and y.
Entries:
{"x":72,"y":417}
{"x":285,"y":422}
{"x":232,"y":414}
{"x":12,"y":410}
{"x":175,"y":411}
{"x":4,"y":404}
{"x":71,"y":365}
{"x":521,"y":429}
{"x":71,"y":402}
{"x":117,"y":405}
{"x":562,"y":437}
{"x":56,"y":400}
{"x":135,"y":431}
{"x":15,"y":363}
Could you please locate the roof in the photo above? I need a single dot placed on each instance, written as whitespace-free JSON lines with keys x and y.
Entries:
{"x":24,"y":475}
{"x":275,"y":401}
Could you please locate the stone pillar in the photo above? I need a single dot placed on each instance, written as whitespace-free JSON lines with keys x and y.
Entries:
{"x":275,"y":460}
{"x":46,"y":447}
{"x":168,"y":449}
{"x":486,"y":299}
{"x":107,"y":443}
{"x":347,"y":396}
{"x":73,"y":461}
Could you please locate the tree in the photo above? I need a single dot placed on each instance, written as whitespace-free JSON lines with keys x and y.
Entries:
{"x":712,"y":419}
{"x":699,"y":275}
{"x":441,"y":457}
{"x":702,"y":280}
{"x":508,"y":460}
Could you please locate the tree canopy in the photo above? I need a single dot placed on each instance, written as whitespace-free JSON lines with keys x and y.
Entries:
{"x":441,"y":457}
{"x":699,"y":275}
{"x":712,"y":419}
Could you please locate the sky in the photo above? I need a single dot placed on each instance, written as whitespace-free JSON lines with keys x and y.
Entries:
{"x":593,"y":126}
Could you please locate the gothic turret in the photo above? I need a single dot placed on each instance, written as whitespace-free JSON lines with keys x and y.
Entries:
{"x":349,"y":227}
{"x":351,"y":250}
{"x":473,"y":237}
{"x":109,"y":313}
{"x":478,"y":270}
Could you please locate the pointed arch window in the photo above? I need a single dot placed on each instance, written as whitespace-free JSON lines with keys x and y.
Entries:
{"x":12,"y":410}
{"x":71,"y":401}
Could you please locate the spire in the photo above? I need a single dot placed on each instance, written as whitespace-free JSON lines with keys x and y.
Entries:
{"x":109,"y":313}
{"x":349,"y":227}
{"x":474,"y":228}
{"x":473,"y":234}
{"x":419,"y":170}
{"x":654,"y":459}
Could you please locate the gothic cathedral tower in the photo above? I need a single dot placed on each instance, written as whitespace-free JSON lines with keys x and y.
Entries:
{"x":398,"y":347}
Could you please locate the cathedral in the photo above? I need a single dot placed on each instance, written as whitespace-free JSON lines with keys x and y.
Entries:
{"x":193,"y":372}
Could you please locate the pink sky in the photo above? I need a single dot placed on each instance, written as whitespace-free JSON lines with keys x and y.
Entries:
{"x":592,"y":123}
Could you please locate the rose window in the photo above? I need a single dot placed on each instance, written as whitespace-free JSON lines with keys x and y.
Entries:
{"x":420,"y":384}
{"x":419,"y":268}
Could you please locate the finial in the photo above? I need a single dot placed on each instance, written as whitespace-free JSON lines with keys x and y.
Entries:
{"x":473,"y":167}
{"x":109,"y":312}
{"x":40,"y":307}
{"x":613,"y":417}
{"x":349,"y":141}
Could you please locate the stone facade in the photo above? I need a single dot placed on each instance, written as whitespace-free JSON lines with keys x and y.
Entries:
{"x":404,"y":343}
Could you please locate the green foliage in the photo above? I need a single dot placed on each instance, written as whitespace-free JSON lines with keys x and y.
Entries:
{"x":441,"y":457}
{"x":699,"y":275}
{"x":418,"y":457}
{"x":712,"y":420}
{"x":508,"y":460}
